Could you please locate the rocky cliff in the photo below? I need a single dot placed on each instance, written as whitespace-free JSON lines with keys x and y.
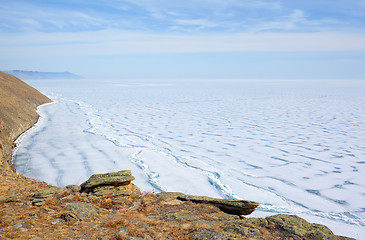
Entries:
{"x":110,"y":206}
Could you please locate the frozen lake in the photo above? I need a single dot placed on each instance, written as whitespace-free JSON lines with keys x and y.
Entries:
{"x":297,"y":147}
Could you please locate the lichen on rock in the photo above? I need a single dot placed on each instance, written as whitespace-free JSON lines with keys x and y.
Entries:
{"x":107,"y":179}
{"x":40,"y":198}
{"x":114,"y":185}
{"x":294,"y":225}
{"x":79,"y":211}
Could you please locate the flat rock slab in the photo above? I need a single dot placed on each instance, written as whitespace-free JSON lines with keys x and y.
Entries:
{"x":40,"y":198}
{"x":110,"y":191}
{"x":112,"y":179}
{"x":47,"y":193}
{"x":231,"y":206}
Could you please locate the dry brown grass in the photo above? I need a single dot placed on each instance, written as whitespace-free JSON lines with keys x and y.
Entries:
{"x":115,"y":223}
{"x":18,"y":103}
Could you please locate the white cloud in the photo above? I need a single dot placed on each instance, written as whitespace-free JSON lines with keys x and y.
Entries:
{"x":200,"y":23}
{"x":297,"y":21}
{"x":164,"y":15}
{"x":196,"y":7}
{"x":31,"y":23}
{"x":31,"y":17}
{"x":116,"y":42}
{"x":289,"y":22}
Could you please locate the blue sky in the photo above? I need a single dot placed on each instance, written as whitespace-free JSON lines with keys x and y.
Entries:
{"x":185,"y":38}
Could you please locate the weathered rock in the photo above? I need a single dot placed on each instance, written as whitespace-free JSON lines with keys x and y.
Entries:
{"x":38,"y":202}
{"x":74,"y":188}
{"x":258,"y":222}
{"x":49,"y":210}
{"x":294,"y":225}
{"x":12,"y":199}
{"x":70,"y":217}
{"x":135,"y":206}
{"x":116,"y":185}
{"x":135,"y":190}
{"x":46,"y":193}
{"x":165,"y":195}
{"x":231,"y":206}
{"x":209,"y":234}
{"x":40,"y":198}
{"x":111,"y":191}
{"x":115,"y":179}
{"x":79,"y":211}
{"x":238,"y":227}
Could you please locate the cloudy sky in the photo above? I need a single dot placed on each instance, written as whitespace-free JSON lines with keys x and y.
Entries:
{"x":185,"y":38}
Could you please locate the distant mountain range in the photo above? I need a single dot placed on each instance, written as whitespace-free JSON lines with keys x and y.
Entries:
{"x":42,"y":75}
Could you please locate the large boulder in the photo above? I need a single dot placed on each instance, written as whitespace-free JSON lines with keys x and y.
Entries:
{"x":114,"y":179}
{"x":115,"y":185}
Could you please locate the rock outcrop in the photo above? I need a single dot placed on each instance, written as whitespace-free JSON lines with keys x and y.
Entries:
{"x":40,"y":198}
{"x":107,"y":179}
{"x":294,"y":225}
{"x":231,"y":206}
{"x":115,"y":185}
{"x":78,"y":211}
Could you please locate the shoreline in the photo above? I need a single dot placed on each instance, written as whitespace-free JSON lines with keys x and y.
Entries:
{"x":19,"y":139}
{"x":21,"y":218}
{"x":335,"y":225}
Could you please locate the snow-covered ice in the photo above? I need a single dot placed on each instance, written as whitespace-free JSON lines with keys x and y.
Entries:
{"x":296,"y":147}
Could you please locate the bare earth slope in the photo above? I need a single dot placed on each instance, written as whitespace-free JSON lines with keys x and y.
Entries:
{"x":109,"y":206}
{"x":18,"y":102}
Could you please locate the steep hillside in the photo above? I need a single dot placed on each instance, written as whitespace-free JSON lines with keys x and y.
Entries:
{"x":18,"y":102}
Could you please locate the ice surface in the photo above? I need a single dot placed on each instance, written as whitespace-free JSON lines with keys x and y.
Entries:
{"x":295,"y":147}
